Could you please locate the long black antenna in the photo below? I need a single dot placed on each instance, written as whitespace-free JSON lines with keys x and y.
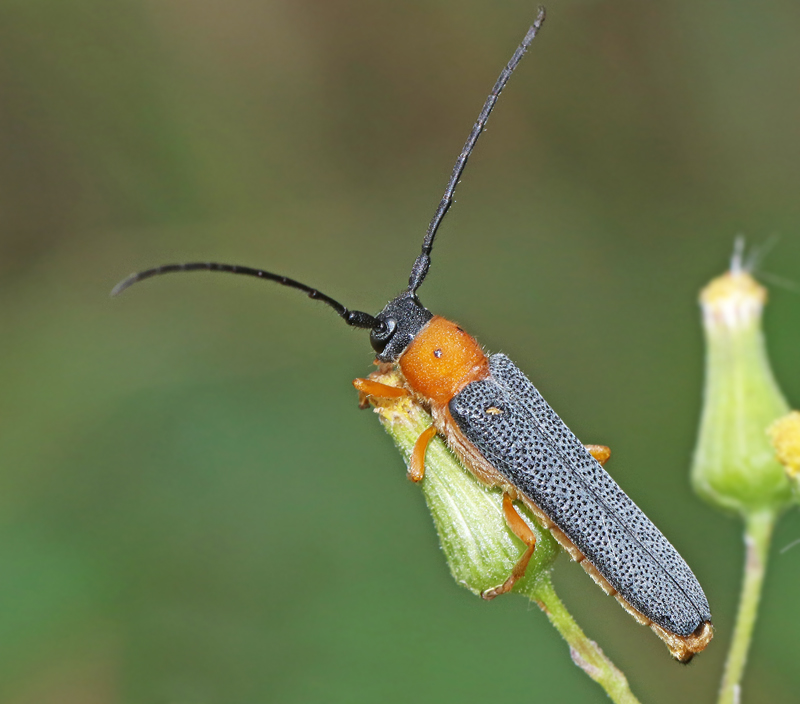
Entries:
{"x":423,"y":262}
{"x":354,"y":318}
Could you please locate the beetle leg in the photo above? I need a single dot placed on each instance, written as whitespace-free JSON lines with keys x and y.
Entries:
{"x":367,"y":387}
{"x":523,"y":531}
{"x":600,"y":452}
{"x":416,"y":468}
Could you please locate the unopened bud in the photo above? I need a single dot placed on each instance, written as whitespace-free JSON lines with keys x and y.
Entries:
{"x":734,"y":464}
{"x":480,"y":548}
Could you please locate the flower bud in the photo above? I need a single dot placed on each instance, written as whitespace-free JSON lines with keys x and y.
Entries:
{"x":784,"y":434}
{"x":480,"y":548}
{"x":734,"y":464}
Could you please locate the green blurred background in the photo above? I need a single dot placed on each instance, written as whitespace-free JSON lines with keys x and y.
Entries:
{"x":193,"y":508}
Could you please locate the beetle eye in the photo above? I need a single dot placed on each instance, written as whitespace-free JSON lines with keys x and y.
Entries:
{"x":382,"y":333}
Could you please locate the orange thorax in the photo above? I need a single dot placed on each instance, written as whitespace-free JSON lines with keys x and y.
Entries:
{"x":441,"y":360}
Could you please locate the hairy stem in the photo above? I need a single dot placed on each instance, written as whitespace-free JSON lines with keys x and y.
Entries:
{"x":757,"y":536}
{"x":585,"y":653}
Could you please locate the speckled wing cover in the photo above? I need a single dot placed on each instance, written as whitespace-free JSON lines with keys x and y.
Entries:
{"x":531,"y":446}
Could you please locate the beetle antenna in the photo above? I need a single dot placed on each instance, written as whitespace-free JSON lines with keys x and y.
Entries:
{"x":423,"y":262}
{"x":354,"y":318}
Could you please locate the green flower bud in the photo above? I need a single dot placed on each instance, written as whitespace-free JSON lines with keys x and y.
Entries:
{"x":480,"y":548}
{"x":734,"y":464}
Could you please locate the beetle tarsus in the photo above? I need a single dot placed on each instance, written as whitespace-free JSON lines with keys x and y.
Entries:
{"x":367,"y":388}
{"x":523,"y":531}
{"x":600,"y":452}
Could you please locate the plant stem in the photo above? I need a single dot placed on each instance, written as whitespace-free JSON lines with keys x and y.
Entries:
{"x":585,"y":653}
{"x":757,"y":536}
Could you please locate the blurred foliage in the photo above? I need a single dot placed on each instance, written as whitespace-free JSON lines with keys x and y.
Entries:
{"x":193,"y":508}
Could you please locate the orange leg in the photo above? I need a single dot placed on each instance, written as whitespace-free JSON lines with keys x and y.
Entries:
{"x":367,"y":387}
{"x":600,"y":452}
{"x":523,"y":531}
{"x":416,"y":469}
{"x":378,"y":390}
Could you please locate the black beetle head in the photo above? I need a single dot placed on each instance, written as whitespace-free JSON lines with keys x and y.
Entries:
{"x":397,"y":325}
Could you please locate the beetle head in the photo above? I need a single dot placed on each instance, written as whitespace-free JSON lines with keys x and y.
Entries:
{"x":397,"y":325}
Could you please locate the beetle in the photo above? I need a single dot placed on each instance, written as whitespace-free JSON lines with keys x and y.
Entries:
{"x":501,"y":428}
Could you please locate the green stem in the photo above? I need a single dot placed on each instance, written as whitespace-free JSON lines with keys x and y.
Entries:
{"x":757,"y":536}
{"x":585,"y":653}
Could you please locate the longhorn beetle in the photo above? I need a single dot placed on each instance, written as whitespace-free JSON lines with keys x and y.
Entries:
{"x":503,"y":431}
